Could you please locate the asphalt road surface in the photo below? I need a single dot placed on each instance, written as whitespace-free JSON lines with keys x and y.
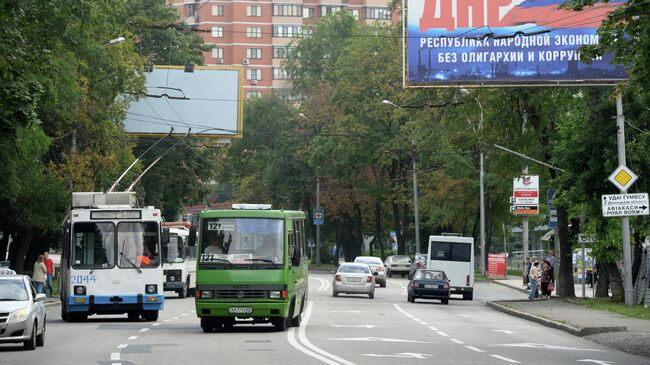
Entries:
{"x":337,"y":331}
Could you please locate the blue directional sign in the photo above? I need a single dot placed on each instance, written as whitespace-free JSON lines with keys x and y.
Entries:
{"x":550,"y":195}
{"x":319,"y":216}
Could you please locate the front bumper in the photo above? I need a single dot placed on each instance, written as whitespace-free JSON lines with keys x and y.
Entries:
{"x":16,"y":331}
{"x":212,"y":308}
{"x":115,"y":304}
{"x":173,"y":285}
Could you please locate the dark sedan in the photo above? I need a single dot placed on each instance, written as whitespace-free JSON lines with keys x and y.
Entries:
{"x":429,"y":284}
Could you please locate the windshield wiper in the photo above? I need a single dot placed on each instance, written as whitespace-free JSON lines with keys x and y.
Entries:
{"x":218,"y":260}
{"x":130,"y":262}
{"x":264,"y":260}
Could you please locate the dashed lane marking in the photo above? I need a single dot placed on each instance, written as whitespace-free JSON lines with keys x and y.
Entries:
{"x":505,"y":359}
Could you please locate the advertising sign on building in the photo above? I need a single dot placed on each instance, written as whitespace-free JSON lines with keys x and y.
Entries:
{"x":504,"y":42}
{"x":525,"y":195}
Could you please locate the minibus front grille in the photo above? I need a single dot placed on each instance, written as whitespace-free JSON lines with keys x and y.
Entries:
{"x":240,"y":294}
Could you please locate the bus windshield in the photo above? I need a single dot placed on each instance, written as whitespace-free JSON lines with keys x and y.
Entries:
{"x":94,"y":245}
{"x":173,"y":252}
{"x":246,"y":242}
{"x":137,"y":244}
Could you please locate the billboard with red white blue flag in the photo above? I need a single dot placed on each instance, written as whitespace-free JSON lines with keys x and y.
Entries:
{"x":504,"y":43}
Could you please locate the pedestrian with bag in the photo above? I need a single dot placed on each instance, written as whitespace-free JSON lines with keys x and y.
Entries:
{"x":40,"y":274}
{"x":533,"y":279}
{"x":546,"y":279}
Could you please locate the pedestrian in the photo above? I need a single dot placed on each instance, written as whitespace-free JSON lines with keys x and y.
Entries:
{"x":533,"y":279}
{"x":526,"y":272}
{"x":551,"y":258}
{"x":49,"y":265}
{"x":40,"y":274}
{"x":546,"y":279}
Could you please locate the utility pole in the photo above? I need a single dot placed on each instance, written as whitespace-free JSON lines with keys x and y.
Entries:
{"x":318,"y":225}
{"x":625,"y":221}
{"x":415,"y":200}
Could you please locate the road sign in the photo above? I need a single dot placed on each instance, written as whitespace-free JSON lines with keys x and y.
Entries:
{"x":552,"y":210}
{"x":585,"y":238}
{"x":623,"y":178}
{"x":621,"y":205}
{"x":525,"y":195}
{"x":319,"y":216}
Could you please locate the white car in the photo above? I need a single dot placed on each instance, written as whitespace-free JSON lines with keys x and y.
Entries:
{"x":377,"y":267}
{"x":398,"y":264}
{"x":22,"y":312}
{"x":351,"y":278}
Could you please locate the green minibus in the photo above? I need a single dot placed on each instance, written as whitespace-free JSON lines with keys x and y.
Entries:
{"x":251,"y":267}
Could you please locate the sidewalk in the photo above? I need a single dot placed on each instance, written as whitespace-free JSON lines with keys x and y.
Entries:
{"x":609,"y":329}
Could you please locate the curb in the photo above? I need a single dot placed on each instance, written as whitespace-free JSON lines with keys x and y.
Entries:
{"x":507,"y":286}
{"x":576,"y":331}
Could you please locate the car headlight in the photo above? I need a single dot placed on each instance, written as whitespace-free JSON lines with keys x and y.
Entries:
{"x":18,"y":315}
{"x":207,"y":294}
{"x":151,"y":289}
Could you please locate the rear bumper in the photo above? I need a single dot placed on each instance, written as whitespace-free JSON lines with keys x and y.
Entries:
{"x":399,"y":270}
{"x":461,"y":289}
{"x":365,"y":288}
{"x":211,"y":308}
{"x":114,"y":304}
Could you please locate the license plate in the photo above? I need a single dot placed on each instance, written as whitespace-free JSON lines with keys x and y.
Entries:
{"x":240,"y":310}
{"x":428,"y":286}
{"x":354,"y":280}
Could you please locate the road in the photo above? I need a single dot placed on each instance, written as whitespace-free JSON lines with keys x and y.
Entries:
{"x":337,"y":331}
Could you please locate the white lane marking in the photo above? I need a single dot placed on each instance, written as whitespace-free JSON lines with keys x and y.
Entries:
{"x":133,"y":337}
{"x":184,"y":315}
{"x":411,"y":355}
{"x":474,"y":349}
{"x":599,"y":362}
{"x":464,"y":315}
{"x":442,"y":334}
{"x":457,"y":341}
{"x":375,"y":339}
{"x":192,"y":311}
{"x":306,"y":342}
{"x":115,"y":356}
{"x":505,"y":359}
{"x":122,"y":346}
{"x":143,"y":330}
{"x":508,"y":332}
{"x":423,"y":323}
{"x":433,"y":328}
{"x":324,"y":284}
{"x":544,"y":346}
{"x":156,"y":324}
{"x":403,"y":311}
{"x":416,"y":319}
{"x":167,"y":320}
{"x":355,"y":312}
{"x":299,"y":347}
{"x":368,"y":326}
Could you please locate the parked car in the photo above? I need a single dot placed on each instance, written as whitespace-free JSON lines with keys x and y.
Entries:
{"x":22,"y":312}
{"x":419,"y":262}
{"x":398,"y":264}
{"x":351,"y":278}
{"x":429,"y":284}
{"x":377,"y":267}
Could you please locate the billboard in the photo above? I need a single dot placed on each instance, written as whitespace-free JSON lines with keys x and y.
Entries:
{"x":503,"y":43}
{"x":206,"y":99}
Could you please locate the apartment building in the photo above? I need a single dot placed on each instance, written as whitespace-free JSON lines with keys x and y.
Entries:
{"x":256,"y":33}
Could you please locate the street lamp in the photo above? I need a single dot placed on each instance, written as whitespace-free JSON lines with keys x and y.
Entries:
{"x":317,"y":207}
{"x":415,"y":186}
{"x":481,"y":188}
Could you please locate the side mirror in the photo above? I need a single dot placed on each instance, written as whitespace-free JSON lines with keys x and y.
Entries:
{"x":165,"y":236}
{"x":192,"y":237}
{"x":40,"y":297}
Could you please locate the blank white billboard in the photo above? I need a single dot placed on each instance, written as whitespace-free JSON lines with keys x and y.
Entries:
{"x":207,"y":101}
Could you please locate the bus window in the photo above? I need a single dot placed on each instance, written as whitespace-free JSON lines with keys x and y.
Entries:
{"x":173,"y":251}
{"x":137,"y":244}
{"x":461,"y":252}
{"x":440,"y":251}
{"x":94,"y":245}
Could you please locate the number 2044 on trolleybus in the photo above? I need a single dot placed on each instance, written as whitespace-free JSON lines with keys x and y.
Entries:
{"x":110,"y":262}
{"x":252,"y":267}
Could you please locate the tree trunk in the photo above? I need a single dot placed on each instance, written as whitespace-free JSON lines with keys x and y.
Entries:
{"x":4,"y":242}
{"x":615,"y":282}
{"x":566,"y":288}
{"x":488,"y":225}
{"x":637,"y":254}
{"x":401,"y":245}
{"x":19,"y":250}
{"x":602,"y":285}
{"x":378,"y":229}
{"x":396,"y":225}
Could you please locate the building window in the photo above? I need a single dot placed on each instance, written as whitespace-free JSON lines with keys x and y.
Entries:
{"x":307,"y":13}
{"x":326,"y":10}
{"x":287,"y":31}
{"x":377,"y":13}
{"x":287,"y":10}
{"x":217,"y":10}
{"x":254,"y":32}
{"x":253,"y":75}
{"x":217,"y":32}
{"x":190,"y":10}
{"x":354,"y":13}
{"x":281,"y":51}
{"x":217,"y":52}
{"x":279,"y":74}
{"x":250,"y":94}
{"x":254,"y":53}
{"x":254,"y":10}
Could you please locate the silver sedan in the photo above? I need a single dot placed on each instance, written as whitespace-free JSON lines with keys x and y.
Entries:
{"x":22,"y":313}
{"x":353,"y":278}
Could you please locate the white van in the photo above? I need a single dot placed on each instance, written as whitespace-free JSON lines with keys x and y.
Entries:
{"x":455,"y":256}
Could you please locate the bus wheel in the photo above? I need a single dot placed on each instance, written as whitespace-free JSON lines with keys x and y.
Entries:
{"x":280,"y":323}
{"x":183,"y":292}
{"x":228,"y":324}
{"x":295,"y":321}
{"x":150,"y":316}
{"x":65,"y":316}
{"x":133,"y":316}
{"x":207,"y":324}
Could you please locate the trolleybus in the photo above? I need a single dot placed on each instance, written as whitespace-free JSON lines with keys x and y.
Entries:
{"x":179,"y":260}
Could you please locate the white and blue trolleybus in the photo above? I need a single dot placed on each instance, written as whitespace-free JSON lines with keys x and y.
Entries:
{"x":111,"y":258}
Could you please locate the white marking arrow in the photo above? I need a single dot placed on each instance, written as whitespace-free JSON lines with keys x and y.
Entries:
{"x":375,"y":339}
{"x":600,"y":362}
{"x":369,"y":326}
{"x":411,"y":355}
{"x":508,"y":332}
